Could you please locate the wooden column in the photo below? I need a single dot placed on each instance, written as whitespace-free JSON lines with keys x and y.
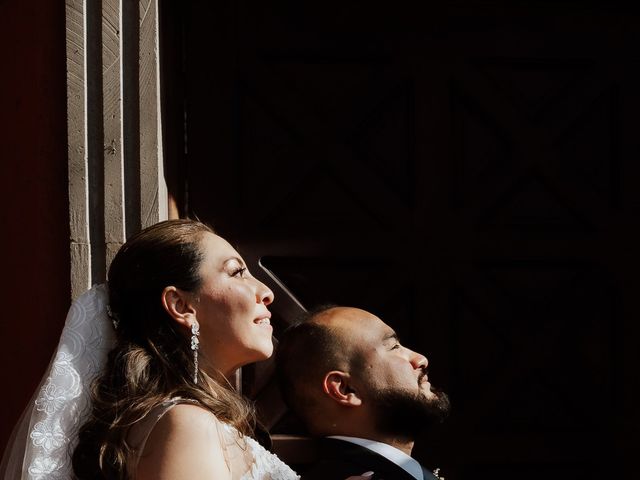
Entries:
{"x":77,"y":156}
{"x":152,"y":184}
{"x":116,"y":179}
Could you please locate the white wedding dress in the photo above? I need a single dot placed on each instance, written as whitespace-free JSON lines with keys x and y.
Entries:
{"x":248,"y":460}
{"x":47,"y":431}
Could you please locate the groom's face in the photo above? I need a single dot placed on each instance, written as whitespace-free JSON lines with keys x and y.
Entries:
{"x":379,"y":360}
{"x":390,"y":377}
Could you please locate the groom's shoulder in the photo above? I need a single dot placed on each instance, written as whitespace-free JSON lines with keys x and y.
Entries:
{"x":339,"y":459}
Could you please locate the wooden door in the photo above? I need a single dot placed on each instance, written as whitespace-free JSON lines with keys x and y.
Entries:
{"x":468,"y":172}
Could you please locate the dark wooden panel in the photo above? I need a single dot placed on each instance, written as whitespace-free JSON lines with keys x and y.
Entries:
{"x":466,"y":171}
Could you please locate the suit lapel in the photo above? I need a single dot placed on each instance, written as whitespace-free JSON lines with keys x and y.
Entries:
{"x":428,"y":475}
{"x":368,"y":460}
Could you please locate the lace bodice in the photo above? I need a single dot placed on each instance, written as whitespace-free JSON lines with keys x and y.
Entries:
{"x":245,"y":458}
{"x":251,"y":461}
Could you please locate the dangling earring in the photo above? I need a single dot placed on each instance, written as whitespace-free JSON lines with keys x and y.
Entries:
{"x":195,"y":342}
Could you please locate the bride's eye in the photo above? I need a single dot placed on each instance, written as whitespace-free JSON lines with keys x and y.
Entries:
{"x":239,"y":272}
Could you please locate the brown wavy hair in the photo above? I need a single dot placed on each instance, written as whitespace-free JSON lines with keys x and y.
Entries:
{"x":152,"y":360}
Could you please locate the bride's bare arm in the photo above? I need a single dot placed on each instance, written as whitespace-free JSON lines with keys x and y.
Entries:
{"x":184,"y":444}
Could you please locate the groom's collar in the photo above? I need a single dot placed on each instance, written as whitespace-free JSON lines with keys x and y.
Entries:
{"x":393,"y":454}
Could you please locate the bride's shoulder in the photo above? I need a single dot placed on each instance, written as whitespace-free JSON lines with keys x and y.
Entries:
{"x":185,"y":437}
{"x":185,"y":414}
{"x":185,"y":422}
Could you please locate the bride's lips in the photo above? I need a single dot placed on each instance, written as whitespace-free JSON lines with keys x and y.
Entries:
{"x":264,"y":321}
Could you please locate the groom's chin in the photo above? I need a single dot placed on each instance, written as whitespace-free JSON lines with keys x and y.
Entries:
{"x":439,"y":405}
{"x":407,"y":414}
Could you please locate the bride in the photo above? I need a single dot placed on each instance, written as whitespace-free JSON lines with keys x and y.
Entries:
{"x":184,"y":314}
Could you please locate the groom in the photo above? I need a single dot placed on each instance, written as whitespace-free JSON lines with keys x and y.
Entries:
{"x":344,"y":372}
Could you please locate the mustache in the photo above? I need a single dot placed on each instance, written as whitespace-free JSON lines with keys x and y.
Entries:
{"x":421,"y":375}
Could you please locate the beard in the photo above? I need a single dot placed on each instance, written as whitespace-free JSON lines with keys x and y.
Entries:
{"x":405,"y":414}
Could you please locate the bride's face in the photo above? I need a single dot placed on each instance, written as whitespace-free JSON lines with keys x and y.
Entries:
{"x":231,"y":308}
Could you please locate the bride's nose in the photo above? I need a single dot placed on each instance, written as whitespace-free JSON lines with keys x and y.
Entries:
{"x":264,"y":294}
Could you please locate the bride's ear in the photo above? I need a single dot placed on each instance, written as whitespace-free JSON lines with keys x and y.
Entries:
{"x":177,"y":304}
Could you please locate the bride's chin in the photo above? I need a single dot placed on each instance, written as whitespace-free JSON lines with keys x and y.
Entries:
{"x":266,"y":350}
{"x":260,"y":354}
{"x":265,"y":354}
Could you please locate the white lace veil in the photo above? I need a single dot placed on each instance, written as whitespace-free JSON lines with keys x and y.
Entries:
{"x":44,"y":438}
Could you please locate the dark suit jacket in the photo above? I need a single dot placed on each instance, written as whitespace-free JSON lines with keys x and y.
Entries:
{"x":340,"y":459}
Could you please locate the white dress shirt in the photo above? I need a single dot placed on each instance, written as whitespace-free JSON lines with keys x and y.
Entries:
{"x":404,"y":461}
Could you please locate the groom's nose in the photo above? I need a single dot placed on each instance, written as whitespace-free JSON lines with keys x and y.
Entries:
{"x":418,"y":360}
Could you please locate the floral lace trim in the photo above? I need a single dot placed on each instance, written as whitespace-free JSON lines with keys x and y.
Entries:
{"x":267,"y":463}
{"x":62,"y":400}
{"x":264,"y":464}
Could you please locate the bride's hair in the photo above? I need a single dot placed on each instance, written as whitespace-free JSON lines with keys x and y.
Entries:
{"x":152,"y":360}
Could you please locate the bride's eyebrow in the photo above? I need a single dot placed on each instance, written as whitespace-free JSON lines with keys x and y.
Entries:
{"x":237,"y":259}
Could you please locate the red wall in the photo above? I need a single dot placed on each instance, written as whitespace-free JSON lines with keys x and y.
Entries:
{"x":34,"y":251}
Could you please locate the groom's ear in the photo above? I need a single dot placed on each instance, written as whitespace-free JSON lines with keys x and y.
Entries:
{"x":178,"y":305}
{"x":338,"y":386}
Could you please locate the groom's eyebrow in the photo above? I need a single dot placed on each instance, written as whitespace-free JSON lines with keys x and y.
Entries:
{"x":390,"y":336}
